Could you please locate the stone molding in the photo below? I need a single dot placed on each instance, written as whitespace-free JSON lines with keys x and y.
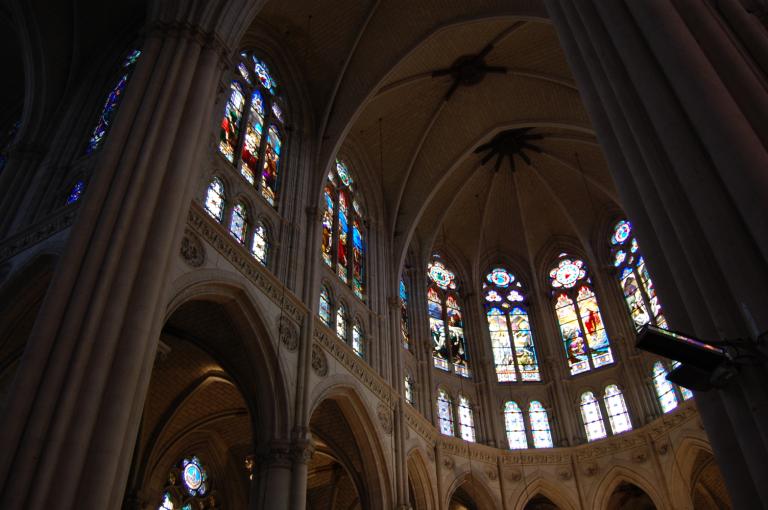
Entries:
{"x":38,"y":232}
{"x":289,"y":333}
{"x":319,"y":361}
{"x":192,"y":250}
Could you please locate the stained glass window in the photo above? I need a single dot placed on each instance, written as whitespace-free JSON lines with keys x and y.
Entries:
{"x":254,"y":133}
{"x":358,"y":342}
{"x":404,"y":334}
{"x":445,"y":413}
{"x":515,"y":426}
{"x":665,"y":390}
{"x":112,"y":102}
{"x":260,"y":247}
{"x":189,"y":486}
{"x":685,"y":392}
{"x":466,"y":420}
{"x":408,"y":387}
{"x":75,"y":192}
{"x":214,"y":199}
{"x":238,"y":225}
{"x":635,"y":281}
{"x":618,"y":416}
{"x":343,"y":243}
{"x":325,"y":306}
{"x":341,"y":322}
{"x":542,"y":435}
{"x":509,"y":327}
{"x":592,"y":417}
{"x":446,"y":323}
{"x":578,"y":316}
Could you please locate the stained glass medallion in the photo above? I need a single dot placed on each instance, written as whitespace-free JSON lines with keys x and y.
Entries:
{"x":441,"y":276}
{"x":621,"y":232}
{"x":194,"y":476}
{"x":499,"y":277}
{"x":567,"y":273}
{"x":262,"y":71}
{"x":343,"y":172}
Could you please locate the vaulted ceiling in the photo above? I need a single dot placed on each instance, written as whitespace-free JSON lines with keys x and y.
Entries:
{"x":386,"y":80}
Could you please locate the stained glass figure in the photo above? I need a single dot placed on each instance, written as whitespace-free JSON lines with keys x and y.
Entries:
{"x":458,"y":343}
{"x":341,"y":322}
{"x":445,"y":413}
{"x":514,"y":423}
{"x":256,"y":132}
{"x":404,"y":334}
{"x":509,"y":327}
{"x":343,"y":243}
{"x":238,"y":225}
{"x":408,"y":387}
{"x":440,"y":348}
{"x":635,"y":281}
{"x":466,"y":420}
{"x":112,"y":102}
{"x":578,"y":315}
{"x":542,"y":434}
{"x":253,"y":134}
{"x":358,"y":344}
{"x":214,"y":199}
{"x":449,"y":346}
{"x":230,"y":123}
{"x":665,"y":390}
{"x":618,"y":416}
{"x":260,"y":247}
{"x":76,"y":192}
{"x":271,"y":162}
{"x":592,"y":417}
{"x":325,"y":306}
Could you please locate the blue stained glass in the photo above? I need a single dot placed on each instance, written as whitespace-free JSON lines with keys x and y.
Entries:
{"x":621,"y":232}
{"x":515,"y":425}
{"x":265,"y":78}
{"x":445,"y":413}
{"x":500,"y":277}
{"x":343,"y":173}
{"x":271,"y":163}
{"x":194,"y":476}
{"x":76,"y":192}
{"x":403,"y":293}
{"x":542,"y":435}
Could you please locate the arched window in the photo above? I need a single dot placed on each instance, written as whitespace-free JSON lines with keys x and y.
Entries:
{"x":408,"y":388}
{"x":404,"y":334}
{"x":508,"y":325}
{"x":112,"y":102}
{"x":75,"y":192}
{"x":445,"y":413}
{"x":325,"y":306}
{"x":685,"y":392}
{"x":341,"y":322}
{"x":252,"y":109}
{"x":592,"y":417}
{"x":634,"y":280}
{"x":358,"y":339}
{"x":443,"y":308}
{"x":214,"y":199}
{"x":618,"y":416}
{"x":238,"y":224}
{"x":515,"y":425}
{"x":466,"y":420}
{"x":343,"y":244}
{"x":542,"y":435}
{"x":260,"y":246}
{"x":665,"y":390}
{"x":578,"y":316}
{"x":188,"y":486}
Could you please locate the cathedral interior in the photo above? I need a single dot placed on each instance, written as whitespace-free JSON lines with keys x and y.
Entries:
{"x":383,"y":254}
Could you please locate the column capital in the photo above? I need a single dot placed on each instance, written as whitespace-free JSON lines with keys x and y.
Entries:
{"x":302,"y":451}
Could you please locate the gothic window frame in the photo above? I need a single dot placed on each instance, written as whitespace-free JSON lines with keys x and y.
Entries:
{"x":512,"y":413}
{"x":342,"y":319}
{"x":189,"y":485}
{"x":357,"y":332}
{"x":263,"y":224}
{"x":633,"y":277}
{"x":568,"y":276}
{"x":549,"y":442}
{"x":465,"y":412}
{"x":404,"y":303}
{"x":340,"y":183}
{"x":504,"y":295}
{"x":623,"y":414}
{"x":330,"y":321}
{"x":445,"y":293}
{"x":409,"y":389}
{"x":674,"y":390}
{"x":251,"y":161}
{"x":446,"y":420}
{"x":223,"y":196}
{"x":599,"y":419}
{"x":245,"y":216}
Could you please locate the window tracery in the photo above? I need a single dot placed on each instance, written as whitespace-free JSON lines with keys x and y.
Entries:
{"x":238,"y":223}
{"x":189,"y":487}
{"x":635,"y":281}
{"x":665,"y":390}
{"x":445,"y":413}
{"x":466,"y":420}
{"x":446,"y":324}
{"x":112,"y":102}
{"x":341,"y":322}
{"x":343,"y":246}
{"x":242,"y":139}
{"x":578,"y":316}
{"x":540,"y":430}
{"x":358,"y":339}
{"x":260,"y":245}
{"x":509,"y":325}
{"x":618,"y":415}
{"x":515,"y":426}
{"x":325,"y":306}
{"x":214,"y":199}
{"x":404,"y":332}
{"x":592,"y":417}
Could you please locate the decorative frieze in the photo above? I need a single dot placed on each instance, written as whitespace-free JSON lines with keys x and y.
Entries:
{"x":38,"y":232}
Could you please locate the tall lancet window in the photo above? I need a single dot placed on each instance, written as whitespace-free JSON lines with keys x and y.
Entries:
{"x":592,"y":417}
{"x":618,"y":415}
{"x":665,"y":390}
{"x":510,"y":329}
{"x":635,"y":281}
{"x":578,"y":316}
{"x":214,"y":199}
{"x":250,"y":135}
{"x":446,"y":323}
{"x":325,"y":307}
{"x":112,"y":102}
{"x":343,"y":245}
{"x":405,"y":335}
{"x":515,"y":426}
{"x":466,"y":420}
{"x":445,"y":413}
{"x":542,"y":434}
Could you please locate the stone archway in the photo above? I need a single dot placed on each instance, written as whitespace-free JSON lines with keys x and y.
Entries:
{"x":540,"y":502}
{"x":708,"y":490}
{"x":420,"y":485}
{"x":628,"y":496}
{"x":469,"y":493}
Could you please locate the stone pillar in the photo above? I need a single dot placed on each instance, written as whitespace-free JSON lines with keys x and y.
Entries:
{"x":302,"y":454}
{"x":71,"y":424}
{"x":658,"y":81}
{"x":275,"y":468}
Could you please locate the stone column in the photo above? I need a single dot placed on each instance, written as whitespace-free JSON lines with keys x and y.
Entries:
{"x":275,"y":467}
{"x":302,"y":454}
{"x":71,"y":424}
{"x":690,"y":168}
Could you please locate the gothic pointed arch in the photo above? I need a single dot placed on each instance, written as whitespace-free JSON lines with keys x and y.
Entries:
{"x":446,"y":319}
{"x":421,"y":483}
{"x":470,"y":492}
{"x":619,"y":477}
